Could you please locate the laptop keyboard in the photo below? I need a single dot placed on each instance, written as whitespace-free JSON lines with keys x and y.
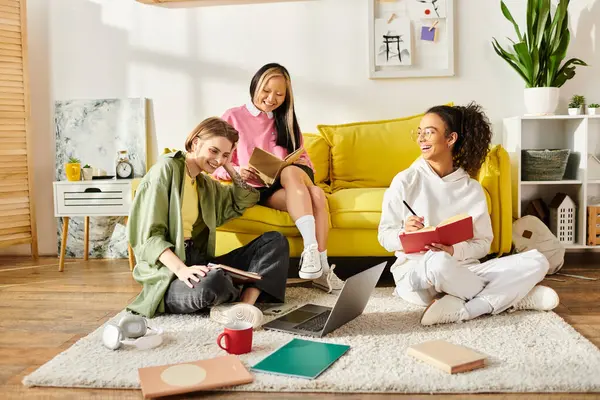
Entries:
{"x":315,"y":324}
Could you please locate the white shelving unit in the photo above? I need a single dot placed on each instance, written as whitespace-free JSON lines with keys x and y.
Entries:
{"x":580,"y":134}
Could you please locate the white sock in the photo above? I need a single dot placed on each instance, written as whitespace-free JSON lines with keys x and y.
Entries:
{"x":306,"y":226}
{"x":324,"y":262}
{"x":478,"y":306}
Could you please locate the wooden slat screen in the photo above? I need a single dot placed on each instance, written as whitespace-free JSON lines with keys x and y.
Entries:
{"x":17,"y":216}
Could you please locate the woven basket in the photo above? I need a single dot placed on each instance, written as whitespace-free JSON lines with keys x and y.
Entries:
{"x":544,"y":165}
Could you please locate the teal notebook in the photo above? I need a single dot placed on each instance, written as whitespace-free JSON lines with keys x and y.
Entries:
{"x":301,"y":358}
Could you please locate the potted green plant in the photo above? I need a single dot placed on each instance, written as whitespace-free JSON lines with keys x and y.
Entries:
{"x":73,"y":169}
{"x":88,"y":172}
{"x":538,"y":52}
{"x":576,"y":104}
{"x":592,"y":108}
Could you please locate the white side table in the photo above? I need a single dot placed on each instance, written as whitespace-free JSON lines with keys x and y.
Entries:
{"x":95,"y":198}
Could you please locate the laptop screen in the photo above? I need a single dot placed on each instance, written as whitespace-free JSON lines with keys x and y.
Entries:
{"x":297,"y":316}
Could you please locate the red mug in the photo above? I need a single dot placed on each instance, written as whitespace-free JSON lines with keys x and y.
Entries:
{"x":237,"y":338}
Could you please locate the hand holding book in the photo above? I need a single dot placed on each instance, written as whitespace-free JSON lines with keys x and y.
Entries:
{"x":268,"y":166}
{"x":251,"y":176}
{"x":441,"y":247}
{"x":438,"y":238}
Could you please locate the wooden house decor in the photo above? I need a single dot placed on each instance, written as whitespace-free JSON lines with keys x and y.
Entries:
{"x":562,"y":218}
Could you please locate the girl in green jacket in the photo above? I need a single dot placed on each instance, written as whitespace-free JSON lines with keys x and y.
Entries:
{"x":171,"y":229}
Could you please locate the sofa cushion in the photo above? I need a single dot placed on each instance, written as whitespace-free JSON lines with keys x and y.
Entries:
{"x":356,"y":208}
{"x":318,"y":151}
{"x":370,"y":154}
{"x":259,"y":219}
{"x":495,"y":177}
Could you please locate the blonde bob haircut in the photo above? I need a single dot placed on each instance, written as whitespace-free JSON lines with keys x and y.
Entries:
{"x":209,"y":128}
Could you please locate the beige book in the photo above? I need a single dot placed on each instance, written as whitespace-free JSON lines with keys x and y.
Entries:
{"x":269,"y":166}
{"x":213,"y":373}
{"x":447,"y":356}
{"x":237,"y":274}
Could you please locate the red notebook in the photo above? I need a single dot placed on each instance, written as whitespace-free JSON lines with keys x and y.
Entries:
{"x":449,"y":232}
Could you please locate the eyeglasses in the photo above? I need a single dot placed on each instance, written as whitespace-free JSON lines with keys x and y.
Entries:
{"x":416,"y":133}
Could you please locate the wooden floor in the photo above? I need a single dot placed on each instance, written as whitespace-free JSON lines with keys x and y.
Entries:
{"x":43,"y":312}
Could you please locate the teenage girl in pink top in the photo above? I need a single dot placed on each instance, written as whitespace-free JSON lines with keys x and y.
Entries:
{"x":269,"y":121}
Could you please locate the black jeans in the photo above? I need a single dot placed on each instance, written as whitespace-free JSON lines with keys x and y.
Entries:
{"x":267,"y":255}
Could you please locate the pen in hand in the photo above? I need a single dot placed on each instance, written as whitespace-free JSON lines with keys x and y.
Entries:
{"x":409,"y":209}
{"x":412,"y":224}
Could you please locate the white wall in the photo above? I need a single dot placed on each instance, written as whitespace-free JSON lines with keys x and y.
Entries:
{"x":196,"y":62}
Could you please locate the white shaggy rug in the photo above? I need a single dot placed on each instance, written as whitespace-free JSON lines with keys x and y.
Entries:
{"x":528,"y":352}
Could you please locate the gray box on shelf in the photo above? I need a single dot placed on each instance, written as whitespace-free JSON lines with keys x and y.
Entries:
{"x":544,"y":165}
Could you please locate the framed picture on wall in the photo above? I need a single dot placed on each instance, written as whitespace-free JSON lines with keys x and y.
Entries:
{"x":411,"y":38}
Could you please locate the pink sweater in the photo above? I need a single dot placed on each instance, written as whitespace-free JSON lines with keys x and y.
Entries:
{"x":257,"y":129}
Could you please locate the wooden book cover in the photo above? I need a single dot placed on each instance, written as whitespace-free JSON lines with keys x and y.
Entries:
{"x":237,"y":274}
{"x":167,"y":380}
{"x":447,"y":356}
{"x":269,"y":166}
{"x":449,"y":232}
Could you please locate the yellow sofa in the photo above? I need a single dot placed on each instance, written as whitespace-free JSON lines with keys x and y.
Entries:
{"x":354,"y":164}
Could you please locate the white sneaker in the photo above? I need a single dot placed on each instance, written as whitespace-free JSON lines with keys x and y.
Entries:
{"x":230,"y":312}
{"x":445,"y":310}
{"x":329,"y":281}
{"x":310,"y":263}
{"x":540,"y":298}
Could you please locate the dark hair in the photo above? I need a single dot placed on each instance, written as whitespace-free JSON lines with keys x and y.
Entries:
{"x":474,"y":134}
{"x":286,"y":123}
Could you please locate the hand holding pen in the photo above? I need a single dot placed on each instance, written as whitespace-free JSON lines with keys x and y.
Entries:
{"x":413,"y":222}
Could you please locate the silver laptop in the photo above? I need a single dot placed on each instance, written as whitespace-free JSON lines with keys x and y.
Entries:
{"x":318,"y":321}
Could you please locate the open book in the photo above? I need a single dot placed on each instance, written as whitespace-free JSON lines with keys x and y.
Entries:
{"x":269,"y":166}
{"x":238,"y":275}
{"x":449,"y":232}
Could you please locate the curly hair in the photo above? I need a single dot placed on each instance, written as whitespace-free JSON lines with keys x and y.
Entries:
{"x":474,"y":134}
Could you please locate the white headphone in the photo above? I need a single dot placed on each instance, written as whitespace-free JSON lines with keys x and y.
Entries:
{"x":131,"y":327}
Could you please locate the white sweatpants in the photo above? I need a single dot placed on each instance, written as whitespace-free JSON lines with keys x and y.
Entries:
{"x":502,"y":282}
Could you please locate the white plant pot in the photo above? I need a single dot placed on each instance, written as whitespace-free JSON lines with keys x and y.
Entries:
{"x":592,"y":111}
{"x":87,"y":174}
{"x":541,"y":100}
{"x":575,"y":111}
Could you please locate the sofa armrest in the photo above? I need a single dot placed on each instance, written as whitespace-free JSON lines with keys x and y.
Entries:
{"x":495,"y":178}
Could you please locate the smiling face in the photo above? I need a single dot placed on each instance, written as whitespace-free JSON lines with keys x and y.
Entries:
{"x":433,"y":139}
{"x":211,"y":153}
{"x":271,"y":95}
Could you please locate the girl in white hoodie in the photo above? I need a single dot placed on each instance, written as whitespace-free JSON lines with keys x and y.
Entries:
{"x":454,"y":142}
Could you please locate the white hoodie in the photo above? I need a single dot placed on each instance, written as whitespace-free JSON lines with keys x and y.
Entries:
{"x":435,"y":199}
